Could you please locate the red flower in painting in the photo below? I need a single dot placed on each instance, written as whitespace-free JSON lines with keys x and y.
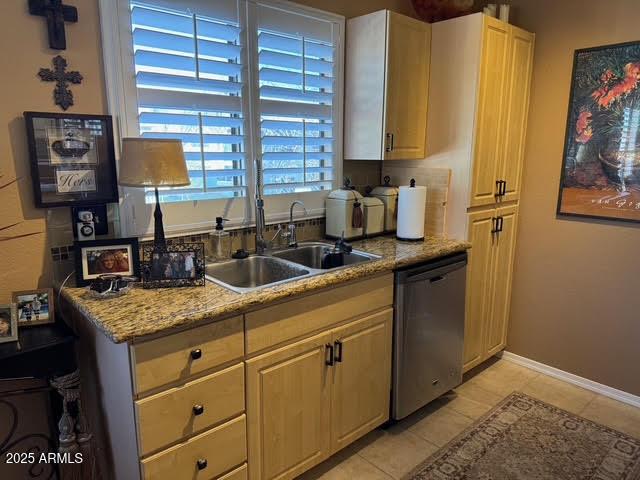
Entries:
{"x":584,"y":132}
{"x":605,"y":96}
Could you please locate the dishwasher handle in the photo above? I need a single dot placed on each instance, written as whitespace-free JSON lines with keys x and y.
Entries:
{"x":434,"y":275}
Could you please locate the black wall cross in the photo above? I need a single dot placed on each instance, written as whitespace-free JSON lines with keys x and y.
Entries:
{"x":61,"y":94}
{"x":56,"y":14}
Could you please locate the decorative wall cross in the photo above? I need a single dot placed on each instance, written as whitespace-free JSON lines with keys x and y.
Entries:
{"x":56,"y":14}
{"x":61,"y":94}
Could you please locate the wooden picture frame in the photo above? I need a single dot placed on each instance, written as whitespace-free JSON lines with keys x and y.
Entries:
{"x":115,"y":256}
{"x":600,"y":176}
{"x":72,"y":159}
{"x":8,"y":323}
{"x":30,"y":305}
{"x":178,"y":265}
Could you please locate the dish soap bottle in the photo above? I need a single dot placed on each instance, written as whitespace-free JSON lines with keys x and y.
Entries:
{"x":221,"y":241}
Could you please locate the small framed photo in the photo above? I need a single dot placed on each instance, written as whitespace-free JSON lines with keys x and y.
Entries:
{"x":34,"y":307}
{"x":72,"y":159}
{"x":8,"y":323}
{"x":180,"y":265}
{"x":117,"y":256}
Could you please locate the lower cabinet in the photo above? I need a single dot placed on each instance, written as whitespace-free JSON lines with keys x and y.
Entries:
{"x":492,"y":233}
{"x":311,"y":398}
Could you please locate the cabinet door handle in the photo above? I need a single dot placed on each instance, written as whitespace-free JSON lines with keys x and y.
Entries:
{"x":392,"y":139}
{"x":498,"y":187}
{"x":329,"y":355}
{"x":501,"y":220}
{"x":338,"y":346}
{"x":196,"y":354}
{"x":504,"y":188}
{"x":389,"y":139}
{"x":202,"y":463}
{"x":494,"y":223}
{"x":198,"y":410}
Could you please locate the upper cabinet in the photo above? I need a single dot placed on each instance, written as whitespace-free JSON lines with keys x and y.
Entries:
{"x":386,"y":87}
{"x":502,"y":105}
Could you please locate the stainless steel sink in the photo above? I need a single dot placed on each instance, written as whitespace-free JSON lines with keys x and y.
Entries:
{"x":310,"y":255}
{"x":254,"y":272}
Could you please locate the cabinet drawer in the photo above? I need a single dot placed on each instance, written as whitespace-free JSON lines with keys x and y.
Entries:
{"x":173,"y":414}
{"x":222,"y":448}
{"x":239,"y":473}
{"x":296,"y":318}
{"x":179,"y":356}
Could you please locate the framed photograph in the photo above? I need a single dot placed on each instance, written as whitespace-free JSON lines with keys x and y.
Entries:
{"x":117,"y":256}
{"x":601,"y":162}
{"x":72,"y":159}
{"x":8,"y":323}
{"x":34,"y":307}
{"x":180,"y":265}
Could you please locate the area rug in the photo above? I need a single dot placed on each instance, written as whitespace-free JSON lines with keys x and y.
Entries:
{"x":525,"y":439}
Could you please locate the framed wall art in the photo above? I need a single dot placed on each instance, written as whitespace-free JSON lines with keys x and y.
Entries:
{"x":179,"y":265}
{"x":35,"y":307}
{"x":72,"y":159}
{"x":116,"y":256}
{"x":601,"y":162}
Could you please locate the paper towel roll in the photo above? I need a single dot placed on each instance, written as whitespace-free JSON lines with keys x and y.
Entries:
{"x":412,"y":202}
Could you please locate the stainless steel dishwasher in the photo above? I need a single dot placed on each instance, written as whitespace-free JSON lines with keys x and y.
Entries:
{"x":428,"y":332}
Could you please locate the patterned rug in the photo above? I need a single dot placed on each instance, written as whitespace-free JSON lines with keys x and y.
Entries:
{"x":526,"y":439}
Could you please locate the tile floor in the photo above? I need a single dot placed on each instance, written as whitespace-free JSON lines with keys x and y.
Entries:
{"x":392,"y":452}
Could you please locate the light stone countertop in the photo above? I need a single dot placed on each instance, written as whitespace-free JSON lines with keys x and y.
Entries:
{"x":143,"y":312}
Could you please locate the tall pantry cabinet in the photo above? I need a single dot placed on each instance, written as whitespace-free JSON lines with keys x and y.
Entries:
{"x":477,"y":114}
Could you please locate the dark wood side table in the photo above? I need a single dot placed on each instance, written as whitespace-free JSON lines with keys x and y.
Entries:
{"x":28,"y":404}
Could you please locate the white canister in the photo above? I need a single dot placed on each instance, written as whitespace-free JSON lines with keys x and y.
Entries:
{"x":412,"y":203}
{"x":373,"y":216}
{"x":389,"y":196}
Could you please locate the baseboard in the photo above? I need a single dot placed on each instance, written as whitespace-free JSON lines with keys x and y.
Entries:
{"x":585,"y":383}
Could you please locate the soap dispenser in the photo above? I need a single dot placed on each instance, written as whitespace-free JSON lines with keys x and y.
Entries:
{"x":221,"y":241}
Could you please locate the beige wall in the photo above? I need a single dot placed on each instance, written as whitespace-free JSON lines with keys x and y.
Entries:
{"x":576,"y":297}
{"x":24,"y":50}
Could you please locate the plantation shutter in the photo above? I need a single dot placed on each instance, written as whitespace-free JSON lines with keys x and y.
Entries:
{"x":296,"y":77}
{"x":189,"y":82}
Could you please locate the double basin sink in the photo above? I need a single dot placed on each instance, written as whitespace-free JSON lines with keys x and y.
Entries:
{"x":277,"y":267}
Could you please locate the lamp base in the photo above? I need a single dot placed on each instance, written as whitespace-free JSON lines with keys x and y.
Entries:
{"x":159,"y":242}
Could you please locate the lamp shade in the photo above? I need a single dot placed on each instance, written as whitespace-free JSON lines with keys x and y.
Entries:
{"x":152,"y":162}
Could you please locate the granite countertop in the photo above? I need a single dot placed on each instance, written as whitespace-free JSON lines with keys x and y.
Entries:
{"x":144,"y":312}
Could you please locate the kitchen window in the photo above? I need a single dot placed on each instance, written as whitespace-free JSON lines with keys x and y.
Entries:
{"x":234,"y":80}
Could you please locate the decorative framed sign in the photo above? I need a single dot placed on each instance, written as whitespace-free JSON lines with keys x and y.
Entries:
{"x":601,"y":161}
{"x":72,"y":159}
{"x":35,"y":307}
{"x":116,"y":256}
{"x":179,"y":265}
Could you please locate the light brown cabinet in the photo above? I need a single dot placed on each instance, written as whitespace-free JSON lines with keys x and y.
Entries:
{"x":386,"y":87}
{"x":478,"y":105}
{"x":489,"y":275}
{"x":503,"y":98}
{"x":309,"y":399}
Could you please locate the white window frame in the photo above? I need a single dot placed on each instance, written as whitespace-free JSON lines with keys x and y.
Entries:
{"x":136,"y":217}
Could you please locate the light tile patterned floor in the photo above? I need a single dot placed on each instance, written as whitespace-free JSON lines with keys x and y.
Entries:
{"x":390,"y":453}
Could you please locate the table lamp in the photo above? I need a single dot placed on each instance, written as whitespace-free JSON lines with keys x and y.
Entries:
{"x":153,"y":162}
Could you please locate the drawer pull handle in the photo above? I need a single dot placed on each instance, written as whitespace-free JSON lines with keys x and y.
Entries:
{"x":202,"y":463}
{"x":198,"y":409}
{"x":196,"y":354}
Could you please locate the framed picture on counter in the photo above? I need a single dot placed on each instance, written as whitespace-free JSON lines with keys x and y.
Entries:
{"x":179,"y":265}
{"x":34,"y":307}
{"x":8,"y":323}
{"x":116,"y":256}
{"x":72,"y":159}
